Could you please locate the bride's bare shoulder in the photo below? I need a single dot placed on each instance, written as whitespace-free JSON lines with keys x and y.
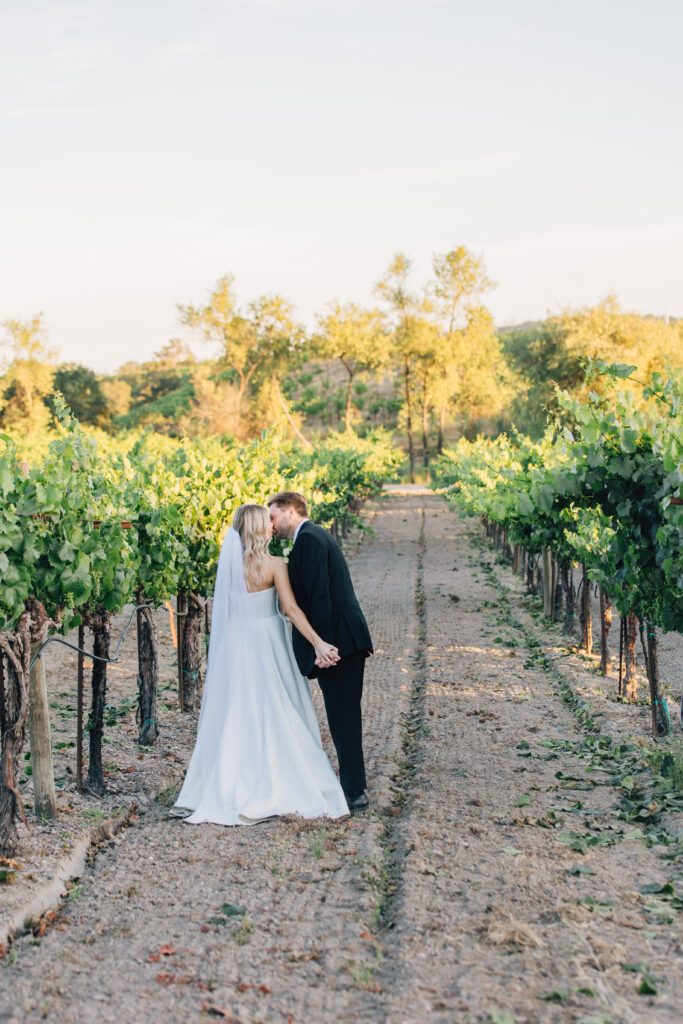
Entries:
{"x":277,"y":566}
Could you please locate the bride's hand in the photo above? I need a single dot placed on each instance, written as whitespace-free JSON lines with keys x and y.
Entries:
{"x":326,"y":655}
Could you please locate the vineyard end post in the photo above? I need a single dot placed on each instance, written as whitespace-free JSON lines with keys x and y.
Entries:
{"x":3,"y":719}
{"x":586,"y":612}
{"x":547,"y":583}
{"x":44,"y":800}
{"x":622,"y":632}
{"x":79,"y":710}
{"x":180,"y":608}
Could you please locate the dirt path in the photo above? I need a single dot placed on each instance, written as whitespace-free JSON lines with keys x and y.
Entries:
{"x":491,"y":880}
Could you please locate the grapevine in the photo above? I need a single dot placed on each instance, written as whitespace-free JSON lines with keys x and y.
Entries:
{"x":92,"y":525}
{"x":604,"y":492}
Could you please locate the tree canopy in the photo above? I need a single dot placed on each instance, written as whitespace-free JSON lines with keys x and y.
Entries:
{"x":427,"y":362}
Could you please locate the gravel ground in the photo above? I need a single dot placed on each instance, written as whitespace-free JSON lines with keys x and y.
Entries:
{"x":134,"y":775}
{"x":490,"y":881}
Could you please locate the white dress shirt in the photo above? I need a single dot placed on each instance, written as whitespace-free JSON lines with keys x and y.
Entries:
{"x":296,"y":532}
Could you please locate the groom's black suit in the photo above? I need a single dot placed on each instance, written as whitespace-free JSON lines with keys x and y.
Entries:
{"x":323,"y":589}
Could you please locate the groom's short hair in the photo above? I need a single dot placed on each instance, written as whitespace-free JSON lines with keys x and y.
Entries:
{"x":290,"y":499}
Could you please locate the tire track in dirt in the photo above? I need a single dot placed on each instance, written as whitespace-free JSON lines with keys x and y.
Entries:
{"x":388,"y":874}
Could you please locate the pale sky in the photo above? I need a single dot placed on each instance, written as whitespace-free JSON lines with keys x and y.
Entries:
{"x":151,"y":146}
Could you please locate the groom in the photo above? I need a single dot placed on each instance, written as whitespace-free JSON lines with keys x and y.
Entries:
{"x":322,"y":587}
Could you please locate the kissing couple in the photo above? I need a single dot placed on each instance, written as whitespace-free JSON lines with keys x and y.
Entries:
{"x":258,"y":751}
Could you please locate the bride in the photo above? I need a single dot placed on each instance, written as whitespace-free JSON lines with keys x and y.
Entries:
{"x":258,"y":751}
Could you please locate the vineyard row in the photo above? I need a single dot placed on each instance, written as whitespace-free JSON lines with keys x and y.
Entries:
{"x":601,"y":490}
{"x":88,"y":529}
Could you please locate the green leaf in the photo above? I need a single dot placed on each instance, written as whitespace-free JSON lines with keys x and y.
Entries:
{"x":666,"y":890}
{"x":623,"y":370}
{"x":592,"y":904}
{"x":590,"y":432}
{"x":523,"y":801}
{"x":501,"y":1017}
{"x":525,"y":505}
{"x":232,"y":910}
{"x":556,"y":995}
{"x":647,"y":987}
{"x":623,"y":467}
{"x":628,"y":440}
{"x":66,"y":552}
{"x":545,"y":496}
{"x":6,"y":479}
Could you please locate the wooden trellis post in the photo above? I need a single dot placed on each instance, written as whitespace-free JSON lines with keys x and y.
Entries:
{"x":180,"y":611}
{"x":79,"y":710}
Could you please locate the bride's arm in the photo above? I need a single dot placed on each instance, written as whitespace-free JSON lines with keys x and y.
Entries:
{"x":326,"y":654}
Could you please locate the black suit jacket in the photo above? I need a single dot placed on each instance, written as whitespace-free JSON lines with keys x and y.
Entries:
{"x":323,"y":590}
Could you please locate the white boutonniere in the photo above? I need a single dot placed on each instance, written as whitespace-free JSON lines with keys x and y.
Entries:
{"x":286,"y":552}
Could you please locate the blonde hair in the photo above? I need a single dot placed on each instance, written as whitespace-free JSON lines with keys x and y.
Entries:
{"x":252,"y":522}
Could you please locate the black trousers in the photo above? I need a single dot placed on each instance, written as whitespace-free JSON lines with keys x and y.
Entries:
{"x":342,"y":688}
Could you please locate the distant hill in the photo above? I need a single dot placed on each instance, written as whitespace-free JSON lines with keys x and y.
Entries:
{"x":529,"y":325}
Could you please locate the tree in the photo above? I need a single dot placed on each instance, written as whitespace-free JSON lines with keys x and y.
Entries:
{"x":606,"y":332}
{"x":118,"y":394}
{"x":357,"y":338}
{"x":459,"y":278}
{"x":174,"y":352}
{"x":155,"y":394}
{"x":404,"y":308}
{"x":539,"y":356}
{"x":555,"y":352}
{"x":214,"y":409}
{"x":28,"y":374}
{"x":83,"y":394}
{"x":474,"y":379}
{"x":169,"y":370}
{"x":427,"y":354}
{"x":256,"y":344}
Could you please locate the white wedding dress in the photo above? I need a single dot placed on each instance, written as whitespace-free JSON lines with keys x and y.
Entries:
{"x":258,"y":751}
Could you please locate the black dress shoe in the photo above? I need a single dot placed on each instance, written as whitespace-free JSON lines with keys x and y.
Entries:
{"x":358,"y":803}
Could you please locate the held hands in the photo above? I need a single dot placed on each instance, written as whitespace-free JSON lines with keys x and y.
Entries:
{"x":326,"y":655}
